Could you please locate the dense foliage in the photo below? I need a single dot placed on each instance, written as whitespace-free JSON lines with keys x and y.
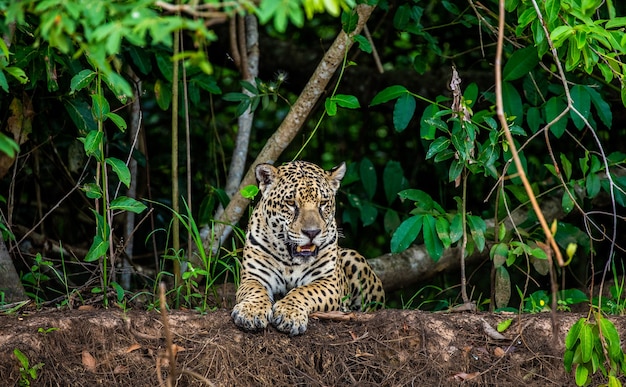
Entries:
{"x":87,"y":86}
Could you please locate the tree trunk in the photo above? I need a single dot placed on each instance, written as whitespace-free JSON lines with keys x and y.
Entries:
{"x":10,"y":282}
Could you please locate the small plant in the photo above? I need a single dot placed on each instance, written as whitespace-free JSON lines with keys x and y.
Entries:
{"x":45,"y":331}
{"x":36,"y":277}
{"x":206,"y":266}
{"x":27,"y":373}
{"x":591,"y":346}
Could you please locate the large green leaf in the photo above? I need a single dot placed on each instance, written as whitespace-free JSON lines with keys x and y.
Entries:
{"x":368,"y":177}
{"x":431,"y":239}
{"x":520,"y":63}
{"x":403,"y":111}
{"x":574,"y":333}
{"x":125,"y":203}
{"x":553,"y":108}
{"x":346,"y":101}
{"x":98,"y":249}
{"x":81,"y":80}
{"x":603,"y":109}
{"x":80,"y":113}
{"x":582,"y":103}
{"x":120,"y":169}
{"x":406,"y":233}
{"x":393,"y":180}
{"x":512,"y":103}
{"x":387,"y":94}
{"x":368,"y":214}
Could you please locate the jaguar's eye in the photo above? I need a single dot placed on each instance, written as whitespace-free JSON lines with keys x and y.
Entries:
{"x":290,"y":202}
{"x":324,"y":203}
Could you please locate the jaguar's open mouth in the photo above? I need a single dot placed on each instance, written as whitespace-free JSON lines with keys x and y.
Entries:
{"x":303,"y":251}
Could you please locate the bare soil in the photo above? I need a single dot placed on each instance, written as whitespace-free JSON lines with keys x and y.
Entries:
{"x":387,"y":348}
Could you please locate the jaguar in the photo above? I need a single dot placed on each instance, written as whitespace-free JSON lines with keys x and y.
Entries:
{"x":292,"y":264}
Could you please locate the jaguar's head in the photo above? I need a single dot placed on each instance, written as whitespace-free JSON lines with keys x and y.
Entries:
{"x":298,"y":200}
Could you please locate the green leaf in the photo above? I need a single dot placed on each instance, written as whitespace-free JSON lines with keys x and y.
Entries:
{"x":393,"y":180}
{"x":582,"y":374}
{"x":456,"y":228}
{"x":99,"y":107}
{"x":406,"y":233}
{"x":22,"y":358}
{"x":81,"y":80}
{"x":560,"y":34}
{"x":331,"y":107}
{"x":92,"y":142}
{"x":568,"y":358}
{"x":504,"y":325}
{"x":431,"y":240}
{"x":80,"y":113}
{"x":443,"y":231}
{"x":120,"y":169}
{"x":612,"y":339}
{"x":8,"y":146}
{"x":163,"y":93}
{"x":92,"y":191}
{"x":512,"y":103}
{"x":364,"y":44}
{"x":477,"y":228}
{"x":389,"y":93}
{"x":368,"y":214}
{"x":566,"y":166}
{"x":403,"y":111}
{"x":98,"y":249}
{"x":592,"y":184}
{"x":349,"y":20}
{"x":140,"y":59}
{"x":391,"y":220}
{"x":616,"y":22}
{"x":520,"y":63}
{"x":368,"y":177}
{"x":125,"y":203}
{"x":586,"y":342}
{"x":614,"y":382}
{"x":574,"y":333}
{"x":249,"y":192}
{"x":420,"y":198}
{"x":346,"y":101}
{"x":440,"y":144}
{"x":118,"y":121}
{"x":582,"y":103}
{"x":119,"y":291}
{"x":456,"y":167}
{"x":3,"y":82}
{"x":553,"y":108}
{"x":567,"y":203}
{"x":603,"y":109}
{"x":498,"y":254}
{"x":552,"y":10}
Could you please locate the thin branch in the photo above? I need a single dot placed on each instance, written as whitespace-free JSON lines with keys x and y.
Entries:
{"x":520,"y":167}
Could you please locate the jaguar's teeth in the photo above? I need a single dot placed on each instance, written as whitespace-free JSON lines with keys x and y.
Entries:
{"x":306,"y":248}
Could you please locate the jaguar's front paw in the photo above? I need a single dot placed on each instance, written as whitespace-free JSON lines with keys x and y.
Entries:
{"x":251,"y":316}
{"x":289,"y":318}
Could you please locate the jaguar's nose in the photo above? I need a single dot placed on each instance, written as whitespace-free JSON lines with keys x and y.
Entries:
{"x":312,"y":233}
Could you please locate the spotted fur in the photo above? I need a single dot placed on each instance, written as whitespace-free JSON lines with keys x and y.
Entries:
{"x":292,"y":264}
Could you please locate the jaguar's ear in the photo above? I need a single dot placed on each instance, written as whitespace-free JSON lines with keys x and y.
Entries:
{"x":335,"y":175}
{"x":265,"y":176}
